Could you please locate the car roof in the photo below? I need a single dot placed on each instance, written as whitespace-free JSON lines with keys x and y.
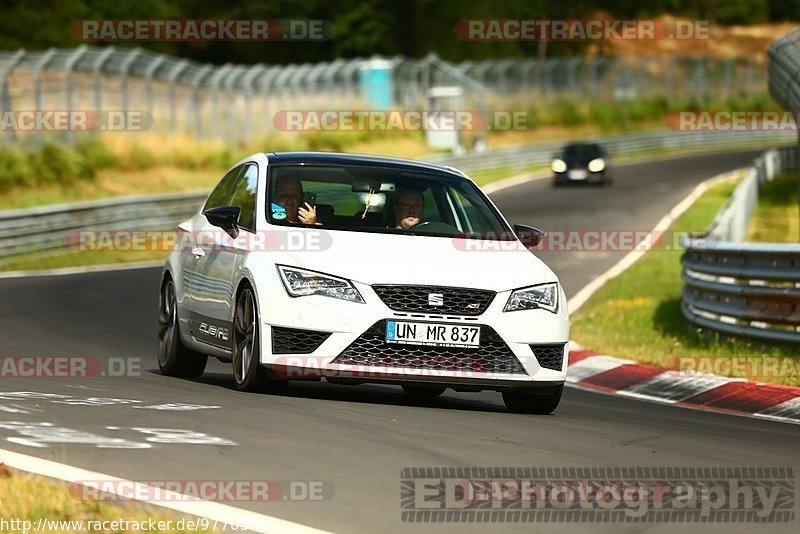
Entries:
{"x":340,"y":158}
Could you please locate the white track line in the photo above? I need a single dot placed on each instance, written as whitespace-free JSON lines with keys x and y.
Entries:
{"x":580,"y":298}
{"x":214,"y":511}
{"x":86,"y":269}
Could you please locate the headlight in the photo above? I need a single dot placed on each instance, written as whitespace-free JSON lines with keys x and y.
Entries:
{"x":559,"y":166}
{"x":544,"y":296}
{"x":597,"y":165}
{"x":301,"y":283}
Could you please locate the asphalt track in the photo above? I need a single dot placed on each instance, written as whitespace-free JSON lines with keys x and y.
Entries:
{"x":358,"y":439}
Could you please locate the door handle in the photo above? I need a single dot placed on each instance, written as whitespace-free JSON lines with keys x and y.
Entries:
{"x":198,"y":253}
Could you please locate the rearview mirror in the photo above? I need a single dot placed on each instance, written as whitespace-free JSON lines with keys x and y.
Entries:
{"x":225,"y":217}
{"x":365,"y":186}
{"x":528,"y":235}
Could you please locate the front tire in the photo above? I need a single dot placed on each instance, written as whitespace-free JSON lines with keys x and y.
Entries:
{"x":248,"y":373}
{"x":520,"y":401}
{"x":174,"y":359}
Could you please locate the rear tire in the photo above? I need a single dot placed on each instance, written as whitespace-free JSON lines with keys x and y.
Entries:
{"x":520,"y":401}
{"x":174,"y":359}
{"x":423,"y":391}
{"x":248,"y":373}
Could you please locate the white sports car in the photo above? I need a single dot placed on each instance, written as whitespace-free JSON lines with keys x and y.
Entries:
{"x":355,"y":268}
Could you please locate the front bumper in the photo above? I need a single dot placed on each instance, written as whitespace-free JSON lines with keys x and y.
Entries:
{"x":347,"y":322}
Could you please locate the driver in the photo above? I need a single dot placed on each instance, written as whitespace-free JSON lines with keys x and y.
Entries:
{"x":408,"y":208}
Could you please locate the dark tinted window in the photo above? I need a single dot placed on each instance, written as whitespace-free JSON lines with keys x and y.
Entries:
{"x":222,"y":192}
{"x":244,"y":196}
{"x":582,"y":151}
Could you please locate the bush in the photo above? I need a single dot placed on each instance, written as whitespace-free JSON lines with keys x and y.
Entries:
{"x":56,"y":163}
{"x":567,"y":113}
{"x":15,"y":168}
{"x":95,"y":155}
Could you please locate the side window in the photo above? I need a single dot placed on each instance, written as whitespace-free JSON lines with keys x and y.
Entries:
{"x":244,"y":196}
{"x":222,"y":192}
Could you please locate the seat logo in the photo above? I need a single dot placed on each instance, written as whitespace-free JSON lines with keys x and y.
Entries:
{"x":435,"y":299}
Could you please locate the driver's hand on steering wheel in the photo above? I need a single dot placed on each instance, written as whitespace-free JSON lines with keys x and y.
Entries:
{"x":408,"y":222}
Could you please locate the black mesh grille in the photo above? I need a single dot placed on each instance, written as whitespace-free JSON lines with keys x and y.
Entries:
{"x":294,"y":341}
{"x":549,"y":356}
{"x":455,"y":300}
{"x":493,"y":356}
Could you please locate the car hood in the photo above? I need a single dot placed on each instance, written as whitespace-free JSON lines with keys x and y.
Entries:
{"x":424,"y":260}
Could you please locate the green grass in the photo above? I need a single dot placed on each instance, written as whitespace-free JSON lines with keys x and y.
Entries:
{"x":637,"y":315}
{"x":64,"y":258}
{"x":777,"y":216}
{"x":29,"y":498}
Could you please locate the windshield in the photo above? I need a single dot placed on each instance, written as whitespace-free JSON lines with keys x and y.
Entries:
{"x":581,"y":152}
{"x":380,"y":200}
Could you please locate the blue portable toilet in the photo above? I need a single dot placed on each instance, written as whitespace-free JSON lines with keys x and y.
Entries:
{"x":375,"y":77}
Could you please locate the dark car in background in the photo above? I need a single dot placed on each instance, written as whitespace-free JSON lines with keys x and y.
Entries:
{"x":582,"y":163}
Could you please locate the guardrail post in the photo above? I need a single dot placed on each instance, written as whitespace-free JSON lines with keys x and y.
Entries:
{"x":5,"y":96}
{"x":76,"y":55}
{"x":172,"y":79}
{"x":195,"y":103}
{"x":123,"y":83}
{"x":247,"y":81}
{"x":214,"y":82}
{"x":148,"y":82}
{"x":97,"y":69}
{"x":37,"y":84}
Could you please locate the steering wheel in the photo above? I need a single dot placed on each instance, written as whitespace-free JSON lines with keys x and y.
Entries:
{"x":434,"y":227}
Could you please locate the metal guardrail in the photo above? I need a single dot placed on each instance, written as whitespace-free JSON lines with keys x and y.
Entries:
{"x":54,"y":227}
{"x":740,"y":288}
{"x":524,"y":157}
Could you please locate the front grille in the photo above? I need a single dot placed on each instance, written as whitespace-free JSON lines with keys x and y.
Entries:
{"x":295,"y":341}
{"x":455,"y":300}
{"x":493,"y":356}
{"x":549,"y":356}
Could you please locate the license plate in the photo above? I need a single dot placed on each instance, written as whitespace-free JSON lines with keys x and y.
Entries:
{"x":577,"y":175}
{"x":431,"y":334}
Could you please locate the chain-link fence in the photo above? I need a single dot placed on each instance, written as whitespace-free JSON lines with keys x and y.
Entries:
{"x":237,"y":102}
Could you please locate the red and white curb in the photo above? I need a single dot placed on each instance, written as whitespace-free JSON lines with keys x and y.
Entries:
{"x":628,"y":378}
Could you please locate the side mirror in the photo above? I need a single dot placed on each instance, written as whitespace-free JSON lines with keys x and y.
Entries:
{"x":225,"y":217}
{"x":528,"y":235}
